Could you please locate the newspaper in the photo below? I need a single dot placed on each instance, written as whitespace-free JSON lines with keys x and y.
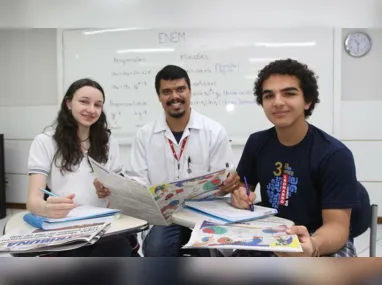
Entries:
{"x":156,"y":203}
{"x":67,"y":238}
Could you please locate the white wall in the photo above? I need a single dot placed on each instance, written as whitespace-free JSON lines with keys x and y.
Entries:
{"x":195,"y":13}
{"x":360,"y":112}
{"x":353,"y":122}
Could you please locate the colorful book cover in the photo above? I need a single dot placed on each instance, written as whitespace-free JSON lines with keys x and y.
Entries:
{"x":171,"y":196}
{"x":239,"y":236}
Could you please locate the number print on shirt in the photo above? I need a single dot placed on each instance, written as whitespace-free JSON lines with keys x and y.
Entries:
{"x":282,"y":186}
{"x":279,"y":168}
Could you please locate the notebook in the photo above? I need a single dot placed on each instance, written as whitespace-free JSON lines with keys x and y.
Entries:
{"x":78,"y":216}
{"x":222,"y":209}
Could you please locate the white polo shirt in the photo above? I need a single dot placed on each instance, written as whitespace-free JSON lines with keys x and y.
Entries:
{"x":80,"y":181}
{"x":207,"y":149}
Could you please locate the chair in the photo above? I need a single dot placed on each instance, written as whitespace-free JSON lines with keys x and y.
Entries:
{"x":373,"y":230}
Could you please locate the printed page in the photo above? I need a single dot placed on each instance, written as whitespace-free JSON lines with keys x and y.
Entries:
{"x":129,"y":196}
{"x":135,"y":200}
{"x":36,"y":240}
{"x":170,"y":196}
{"x":232,"y":236}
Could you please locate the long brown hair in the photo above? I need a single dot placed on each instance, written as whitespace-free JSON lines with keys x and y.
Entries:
{"x":66,"y":138}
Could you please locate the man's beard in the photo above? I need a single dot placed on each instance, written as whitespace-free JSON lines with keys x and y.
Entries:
{"x":177,"y":114}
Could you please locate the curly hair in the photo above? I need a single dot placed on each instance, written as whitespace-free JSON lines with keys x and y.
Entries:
{"x":306,"y":77}
{"x":65,"y":134}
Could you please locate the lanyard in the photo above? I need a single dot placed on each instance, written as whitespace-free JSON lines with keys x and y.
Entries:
{"x":181,"y":148}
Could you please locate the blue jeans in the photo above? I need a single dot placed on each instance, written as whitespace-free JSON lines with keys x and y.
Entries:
{"x":163,"y":241}
{"x":166,"y":241}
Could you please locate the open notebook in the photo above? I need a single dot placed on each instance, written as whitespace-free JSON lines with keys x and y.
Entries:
{"x":78,"y":216}
{"x":222,"y":209}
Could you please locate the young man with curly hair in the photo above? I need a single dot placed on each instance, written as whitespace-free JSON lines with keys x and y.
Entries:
{"x":303,"y":172}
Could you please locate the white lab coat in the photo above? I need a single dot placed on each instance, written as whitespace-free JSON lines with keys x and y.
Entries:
{"x":208,"y":148}
{"x":152,"y":159}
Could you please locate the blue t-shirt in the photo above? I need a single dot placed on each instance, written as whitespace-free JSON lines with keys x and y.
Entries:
{"x":177,"y":136}
{"x":301,"y":180}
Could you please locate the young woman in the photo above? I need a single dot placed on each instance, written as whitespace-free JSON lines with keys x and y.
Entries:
{"x":58,"y":160}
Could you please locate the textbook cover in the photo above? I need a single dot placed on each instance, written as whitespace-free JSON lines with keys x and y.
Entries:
{"x":243,"y":236}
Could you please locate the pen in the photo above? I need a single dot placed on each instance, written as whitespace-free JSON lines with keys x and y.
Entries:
{"x":188,"y":165}
{"x":49,"y":193}
{"x":248,"y":192}
{"x":227,"y":170}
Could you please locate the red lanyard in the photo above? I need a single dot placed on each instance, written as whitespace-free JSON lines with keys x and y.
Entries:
{"x":181,"y":148}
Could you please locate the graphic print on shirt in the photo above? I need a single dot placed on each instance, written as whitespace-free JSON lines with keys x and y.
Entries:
{"x":282,"y":186}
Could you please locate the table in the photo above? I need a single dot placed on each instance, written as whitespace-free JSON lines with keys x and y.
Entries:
{"x":123,"y":224}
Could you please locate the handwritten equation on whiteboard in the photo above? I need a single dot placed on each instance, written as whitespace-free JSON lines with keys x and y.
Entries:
{"x":133,"y":76}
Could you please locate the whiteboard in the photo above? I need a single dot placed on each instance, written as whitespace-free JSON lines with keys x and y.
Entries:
{"x":222,"y":65}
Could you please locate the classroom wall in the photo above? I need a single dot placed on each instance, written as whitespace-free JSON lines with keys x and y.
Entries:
{"x":21,"y":120}
{"x":360,"y":113}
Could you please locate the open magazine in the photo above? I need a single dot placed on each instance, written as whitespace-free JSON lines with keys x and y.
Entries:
{"x":157,"y":203}
{"x":38,"y":240}
{"x":254,"y":236}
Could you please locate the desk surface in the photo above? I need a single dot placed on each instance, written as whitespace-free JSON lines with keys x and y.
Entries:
{"x":124,"y":224}
{"x":189,"y":218}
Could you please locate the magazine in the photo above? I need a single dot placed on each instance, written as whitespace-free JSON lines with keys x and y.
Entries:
{"x":243,"y":236}
{"x":156,"y":203}
{"x":38,"y":240}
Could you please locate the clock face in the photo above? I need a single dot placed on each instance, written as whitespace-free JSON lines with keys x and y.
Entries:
{"x":357,"y":44}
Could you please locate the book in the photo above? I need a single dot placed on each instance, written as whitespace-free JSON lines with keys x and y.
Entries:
{"x":222,"y":209}
{"x":260,"y":237}
{"x":78,"y":216}
{"x":38,"y":240}
{"x":156,"y":203}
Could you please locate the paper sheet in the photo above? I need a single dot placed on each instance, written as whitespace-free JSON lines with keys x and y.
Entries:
{"x":84,"y":211}
{"x":222,"y":208}
{"x":132,"y":198}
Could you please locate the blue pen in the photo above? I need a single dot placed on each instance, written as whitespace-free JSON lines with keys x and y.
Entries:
{"x":248,"y":192}
{"x":49,"y":193}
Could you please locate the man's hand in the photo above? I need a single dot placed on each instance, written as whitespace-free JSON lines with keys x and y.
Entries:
{"x":241,"y":200}
{"x":102,"y":191}
{"x":232,"y":182}
{"x":305,"y":239}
